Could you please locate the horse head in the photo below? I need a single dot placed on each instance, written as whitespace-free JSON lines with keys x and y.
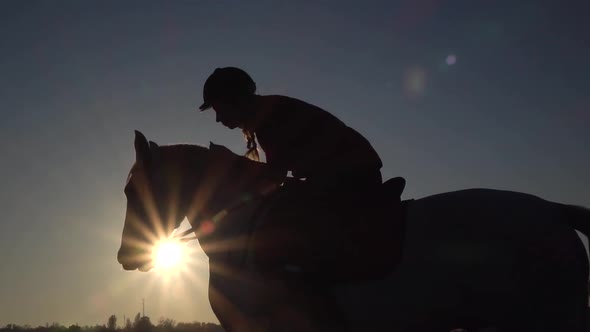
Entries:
{"x":168,"y":183}
{"x":155,"y":203}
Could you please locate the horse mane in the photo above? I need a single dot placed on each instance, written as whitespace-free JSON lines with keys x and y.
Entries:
{"x":184,"y":156}
{"x":187,"y":157}
{"x":180,"y":149}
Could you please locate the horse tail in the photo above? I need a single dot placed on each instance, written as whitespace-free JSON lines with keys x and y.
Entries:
{"x":578,"y":217}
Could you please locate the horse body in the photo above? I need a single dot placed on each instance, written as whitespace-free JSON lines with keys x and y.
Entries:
{"x":471,"y":258}
{"x":477,"y":258}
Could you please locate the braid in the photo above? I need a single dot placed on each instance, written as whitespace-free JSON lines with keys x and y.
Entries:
{"x":251,"y":145}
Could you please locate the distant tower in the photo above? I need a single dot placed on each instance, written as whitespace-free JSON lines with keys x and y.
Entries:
{"x":143,"y":307}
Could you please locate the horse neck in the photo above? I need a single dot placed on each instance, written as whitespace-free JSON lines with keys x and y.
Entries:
{"x":227,"y":237}
{"x":205,"y":179}
{"x":227,"y":181}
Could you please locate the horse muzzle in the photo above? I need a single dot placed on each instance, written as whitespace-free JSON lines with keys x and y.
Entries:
{"x":133,"y":259}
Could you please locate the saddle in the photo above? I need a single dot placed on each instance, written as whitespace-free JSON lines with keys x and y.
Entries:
{"x":332,"y":241}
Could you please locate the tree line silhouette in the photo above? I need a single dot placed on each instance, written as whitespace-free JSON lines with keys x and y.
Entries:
{"x":139,"y":324}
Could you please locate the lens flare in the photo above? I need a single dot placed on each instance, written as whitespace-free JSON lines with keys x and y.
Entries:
{"x":168,"y":254}
{"x":451,"y":59}
{"x":415,"y":81}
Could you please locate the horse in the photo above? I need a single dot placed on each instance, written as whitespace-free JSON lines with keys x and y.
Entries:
{"x":472,"y":259}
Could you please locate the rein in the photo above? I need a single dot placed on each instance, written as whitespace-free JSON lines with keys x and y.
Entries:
{"x":245,"y":199}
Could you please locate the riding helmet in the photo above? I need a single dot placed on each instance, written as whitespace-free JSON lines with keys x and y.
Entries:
{"x":227,"y":84}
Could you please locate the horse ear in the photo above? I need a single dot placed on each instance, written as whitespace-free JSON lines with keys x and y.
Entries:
{"x":142,"y":148}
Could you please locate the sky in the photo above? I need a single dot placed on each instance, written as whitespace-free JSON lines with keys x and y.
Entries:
{"x":453,"y":94}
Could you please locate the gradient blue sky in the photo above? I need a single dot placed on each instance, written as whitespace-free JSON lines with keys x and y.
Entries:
{"x":77,"y":77}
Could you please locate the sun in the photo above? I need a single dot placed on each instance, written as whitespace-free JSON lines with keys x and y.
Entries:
{"x":168,"y":254}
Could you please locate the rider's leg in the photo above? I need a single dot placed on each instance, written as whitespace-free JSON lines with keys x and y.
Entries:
{"x":323,"y":226}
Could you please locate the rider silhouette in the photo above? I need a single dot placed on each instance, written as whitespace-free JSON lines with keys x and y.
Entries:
{"x":314,"y":145}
